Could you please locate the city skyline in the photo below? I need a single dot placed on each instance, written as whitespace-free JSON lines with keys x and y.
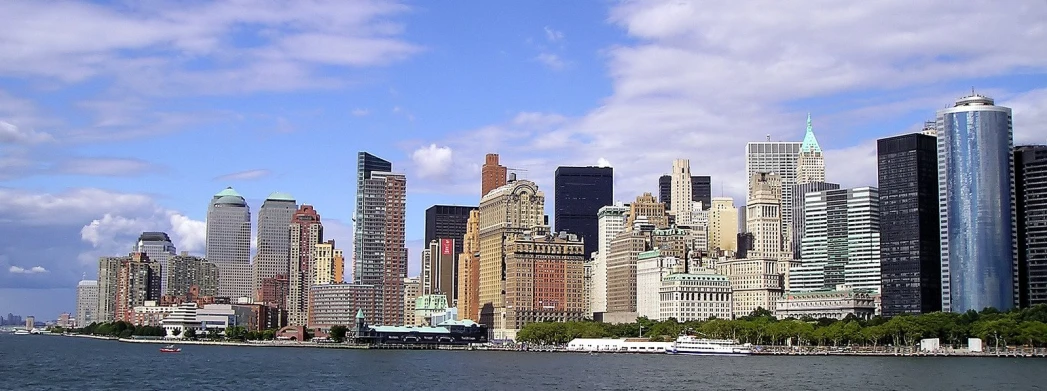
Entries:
{"x":80,"y":184}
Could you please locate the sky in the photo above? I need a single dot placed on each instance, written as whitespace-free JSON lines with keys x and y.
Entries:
{"x":117,"y":118}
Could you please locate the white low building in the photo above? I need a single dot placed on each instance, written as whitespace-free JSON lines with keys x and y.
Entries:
{"x":182,"y":319}
{"x":698,"y":295}
{"x":651,"y":267}
{"x":190,"y":316}
{"x":617,"y":345}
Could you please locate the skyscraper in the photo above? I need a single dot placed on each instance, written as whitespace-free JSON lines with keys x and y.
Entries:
{"x":702,"y":190}
{"x":780,"y":158}
{"x":272,"y":257}
{"x":810,"y":167}
{"x":86,"y":302}
{"x":186,"y":271}
{"x":1030,"y":174}
{"x":764,"y":216}
{"x":681,"y":191}
{"x":580,"y":193}
{"x":379,"y":255}
{"x":447,"y":222}
{"x":841,"y":244}
{"x":328,"y":264}
{"x":137,"y":281}
{"x":229,"y":243}
{"x":799,"y":225}
{"x":108,"y":276}
{"x":492,"y":174}
{"x":610,"y":222}
{"x":159,"y":248}
{"x":305,"y":232}
{"x":665,"y":191}
{"x":441,"y":269}
{"x":723,"y":226}
{"x":469,"y":269}
{"x":910,"y":242}
{"x":975,"y":185}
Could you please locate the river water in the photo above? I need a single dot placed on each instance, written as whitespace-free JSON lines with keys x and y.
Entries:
{"x":34,"y":362}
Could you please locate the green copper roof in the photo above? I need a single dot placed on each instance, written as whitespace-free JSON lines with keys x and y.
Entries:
{"x":280,"y":196}
{"x":228,"y":192}
{"x":360,"y":313}
{"x":810,"y":144}
{"x":231,"y":200}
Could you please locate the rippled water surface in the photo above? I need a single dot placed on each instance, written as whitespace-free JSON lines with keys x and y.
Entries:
{"x":35,"y":362}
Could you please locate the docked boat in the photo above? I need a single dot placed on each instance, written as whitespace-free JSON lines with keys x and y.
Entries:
{"x":690,"y":345}
{"x":170,"y":349}
{"x":21,"y":332}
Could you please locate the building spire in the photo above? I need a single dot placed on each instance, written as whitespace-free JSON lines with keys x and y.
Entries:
{"x":810,"y":143}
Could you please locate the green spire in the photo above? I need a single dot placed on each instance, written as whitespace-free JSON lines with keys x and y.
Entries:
{"x":360,"y":313}
{"x":810,"y":144}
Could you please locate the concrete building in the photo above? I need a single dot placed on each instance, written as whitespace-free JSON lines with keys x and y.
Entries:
{"x":651,"y":267}
{"x":412,"y":290}
{"x":137,"y":280}
{"x":159,"y":248}
{"x":379,"y":252}
{"x":469,"y":269}
{"x":610,"y":222}
{"x":764,"y":216}
{"x":755,"y":283}
{"x":829,"y":303}
{"x":329,"y":264}
{"x":186,"y":271}
{"x":428,"y":306}
{"x":86,"y":302}
{"x":492,"y":174}
{"x":648,"y":208}
{"x":544,"y":281}
{"x":681,"y":192}
{"x":621,"y":270}
{"x":976,"y":206}
{"x":306,"y":232}
{"x":337,"y":304}
{"x":273,"y":254}
{"x":1030,"y":173}
{"x":438,"y":274}
{"x":108,"y":270}
{"x":695,"y":295}
{"x":841,"y":244}
{"x":274,"y":291}
{"x":780,"y":158}
{"x":180,"y":320}
{"x":229,"y":242}
{"x":699,"y":228}
{"x":447,"y":222}
{"x":799,"y":216}
{"x":810,"y":167}
{"x":910,"y":241}
{"x":723,"y":227}
{"x":579,"y":193}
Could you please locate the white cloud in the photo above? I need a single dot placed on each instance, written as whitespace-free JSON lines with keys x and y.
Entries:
{"x":552,"y":61}
{"x":74,"y":206}
{"x":601,"y":162}
{"x":360,"y":112}
{"x":244,"y":175}
{"x":11,"y":134}
{"x":32,"y":270}
{"x":536,"y":119}
{"x":553,"y":35}
{"x":1030,"y":116}
{"x":106,"y":167}
{"x":433,"y":161}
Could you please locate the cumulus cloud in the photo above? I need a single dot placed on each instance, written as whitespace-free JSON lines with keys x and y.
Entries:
{"x":601,"y":162}
{"x":433,"y":161}
{"x":32,"y":270}
{"x":11,"y":134}
{"x":244,"y":175}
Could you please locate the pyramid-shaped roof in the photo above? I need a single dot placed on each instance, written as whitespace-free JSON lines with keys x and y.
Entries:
{"x":810,"y":143}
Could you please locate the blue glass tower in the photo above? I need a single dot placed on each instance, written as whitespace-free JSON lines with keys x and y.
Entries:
{"x":975,"y":190}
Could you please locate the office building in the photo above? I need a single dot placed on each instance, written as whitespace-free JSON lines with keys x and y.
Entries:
{"x":841,"y":244}
{"x":439,"y":269}
{"x":975,"y":187}
{"x":1030,"y":173}
{"x":580,"y":192}
{"x":651,"y":267}
{"x":702,"y":190}
{"x":229,"y":243}
{"x":159,"y":248}
{"x":379,"y":254}
{"x":624,"y":252}
{"x":910,"y":242}
{"x":695,"y":295}
{"x":764,"y":215}
{"x":755,"y":284}
{"x":447,"y":222}
{"x":186,"y":271}
{"x":469,"y":269}
{"x":273,"y":254}
{"x":665,"y":191}
{"x":412,"y":290}
{"x":274,"y":292}
{"x":86,"y":302}
{"x":810,"y":167}
{"x":329,"y":264}
{"x":610,"y":222}
{"x":830,"y":303}
{"x":337,"y":304}
{"x":779,"y":158}
{"x":649,"y":209}
{"x":682,"y":193}
{"x":492,"y":174}
{"x":544,"y":280}
{"x":723,"y":227}
{"x":305,"y":232}
{"x":799,"y":223}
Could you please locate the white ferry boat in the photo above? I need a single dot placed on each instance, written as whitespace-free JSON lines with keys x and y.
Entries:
{"x":691,"y":345}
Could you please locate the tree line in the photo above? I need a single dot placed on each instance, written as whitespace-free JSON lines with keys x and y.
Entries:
{"x":121,"y":329}
{"x":1026,"y":327}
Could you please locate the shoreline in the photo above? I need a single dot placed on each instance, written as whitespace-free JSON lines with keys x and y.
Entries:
{"x":309,"y":345}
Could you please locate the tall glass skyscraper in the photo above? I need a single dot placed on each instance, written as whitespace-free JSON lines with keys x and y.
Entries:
{"x":975,"y":191}
{"x":229,"y":243}
{"x":159,"y":248}
{"x":379,"y":254}
{"x":274,"y":244}
{"x":580,"y":193}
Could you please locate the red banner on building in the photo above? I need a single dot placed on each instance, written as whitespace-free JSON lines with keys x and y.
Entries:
{"x":446,"y":246}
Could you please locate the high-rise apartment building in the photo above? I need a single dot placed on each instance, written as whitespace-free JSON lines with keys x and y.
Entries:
{"x":447,"y":221}
{"x":273,"y":254}
{"x":780,"y":158}
{"x":910,"y":241}
{"x":841,"y":244}
{"x":305,"y":233}
{"x":108,"y":276}
{"x":810,"y":168}
{"x":682,"y":193}
{"x":229,"y":243}
{"x":665,"y":191}
{"x":610,"y":222}
{"x":1030,"y":174}
{"x":86,"y":302}
{"x":580,"y":192}
{"x":621,"y":269}
{"x":329,"y":264}
{"x":723,"y":226}
{"x":976,"y":205}
{"x":186,"y":271}
{"x":137,"y":280}
{"x":412,"y":290}
{"x":799,"y":223}
{"x":544,"y":280}
{"x":159,"y":248}
{"x":764,"y":215}
{"x":469,"y":269}
{"x":492,"y":174}
{"x":379,"y":254}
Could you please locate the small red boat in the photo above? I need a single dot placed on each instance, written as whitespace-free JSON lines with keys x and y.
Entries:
{"x":170,"y":349}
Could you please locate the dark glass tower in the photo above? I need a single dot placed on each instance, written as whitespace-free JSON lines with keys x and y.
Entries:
{"x":1030,"y":189}
{"x":447,"y":222}
{"x":910,"y":241}
{"x":580,"y":193}
{"x":665,"y":190}
{"x":702,"y":190}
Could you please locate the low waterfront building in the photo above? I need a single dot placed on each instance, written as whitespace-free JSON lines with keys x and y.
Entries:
{"x":755,"y":283}
{"x":698,"y":295}
{"x":182,"y":319}
{"x":451,"y":332}
{"x":152,"y":313}
{"x":618,"y":345}
{"x":833,"y":304}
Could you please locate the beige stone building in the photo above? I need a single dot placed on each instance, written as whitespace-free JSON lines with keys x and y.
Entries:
{"x":756,"y":283}
{"x":412,"y":290}
{"x":763,"y":216}
{"x":469,"y":269}
{"x":647,"y":206}
{"x":329,"y":263}
{"x":723,"y":227}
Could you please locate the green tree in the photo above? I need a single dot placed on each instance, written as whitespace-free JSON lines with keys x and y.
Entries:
{"x":338,"y":333}
{"x":213,"y":334}
{"x":190,"y":333}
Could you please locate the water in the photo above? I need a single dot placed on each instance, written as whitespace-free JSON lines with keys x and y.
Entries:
{"x":48,"y":362}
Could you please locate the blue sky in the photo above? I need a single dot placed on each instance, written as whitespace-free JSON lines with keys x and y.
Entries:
{"x":116,"y":119}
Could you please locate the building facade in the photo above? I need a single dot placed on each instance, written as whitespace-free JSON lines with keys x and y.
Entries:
{"x":976,"y":209}
{"x":305,"y":232}
{"x":723,"y":227}
{"x":681,"y":191}
{"x":831,"y":303}
{"x":697,"y":295}
{"x":274,"y":291}
{"x":580,"y":192}
{"x":755,"y":283}
{"x":439,"y":270}
{"x":1030,"y":174}
{"x":810,"y":168}
{"x":544,"y":280}
{"x":379,"y":252}
{"x":272,"y":257}
{"x":780,"y":158}
{"x":86,"y":302}
{"x":337,"y":304}
{"x":138,"y":280}
{"x":447,"y":221}
{"x":412,"y":290}
{"x":665,"y":191}
{"x":651,"y":267}
{"x":763,"y":214}
{"x":229,"y":243}
{"x":469,"y":269}
{"x":492,"y":174}
{"x":841,"y":244}
{"x":610,"y":222}
{"x":910,"y":241}
{"x":621,"y":268}
{"x":329,"y":264}
{"x":799,"y":218}
{"x":186,"y":271}
{"x":108,"y":275}
{"x":159,"y":248}
{"x":702,"y":190}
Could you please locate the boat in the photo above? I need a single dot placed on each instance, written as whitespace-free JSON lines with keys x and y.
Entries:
{"x":170,"y":349}
{"x":690,"y":345}
{"x":21,"y":332}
